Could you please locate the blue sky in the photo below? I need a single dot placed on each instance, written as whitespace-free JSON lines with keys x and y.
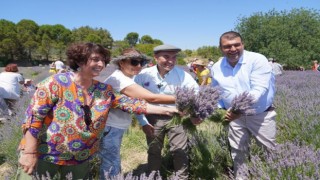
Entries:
{"x":184,"y":23}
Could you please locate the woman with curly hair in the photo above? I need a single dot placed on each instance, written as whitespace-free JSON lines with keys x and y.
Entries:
{"x":67,"y":116}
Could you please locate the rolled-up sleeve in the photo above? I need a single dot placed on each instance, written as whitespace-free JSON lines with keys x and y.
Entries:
{"x":38,"y":112}
{"x":130,"y":105}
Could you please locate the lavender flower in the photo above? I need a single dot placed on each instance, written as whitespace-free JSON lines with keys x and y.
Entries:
{"x":199,"y":105}
{"x":205,"y":102}
{"x":242,"y":104}
{"x":185,"y":97}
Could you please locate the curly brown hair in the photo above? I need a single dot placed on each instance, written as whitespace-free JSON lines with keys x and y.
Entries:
{"x":79,"y":53}
{"x":11,"y":68}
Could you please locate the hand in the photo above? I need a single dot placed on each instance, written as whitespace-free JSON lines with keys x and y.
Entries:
{"x":171,"y":111}
{"x":28,"y":162}
{"x":148,"y":129}
{"x":196,"y":121}
{"x":230,"y":116}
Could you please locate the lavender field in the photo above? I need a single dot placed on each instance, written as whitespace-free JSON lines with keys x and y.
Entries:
{"x":297,"y":104}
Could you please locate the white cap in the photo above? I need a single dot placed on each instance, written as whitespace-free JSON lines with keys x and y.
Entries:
{"x":59,"y":65}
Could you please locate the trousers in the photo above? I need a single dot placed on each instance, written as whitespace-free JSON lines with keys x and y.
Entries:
{"x":261,"y":126}
{"x":178,"y":145}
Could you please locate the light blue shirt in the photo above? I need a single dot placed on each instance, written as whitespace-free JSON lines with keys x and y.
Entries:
{"x":150,"y":79}
{"x":252,"y":73}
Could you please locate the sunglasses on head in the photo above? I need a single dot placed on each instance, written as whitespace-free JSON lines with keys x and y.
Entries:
{"x":87,"y":114}
{"x":135,"y":62}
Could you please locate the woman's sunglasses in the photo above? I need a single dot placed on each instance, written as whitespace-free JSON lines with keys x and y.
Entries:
{"x":135,"y":62}
{"x":87,"y":114}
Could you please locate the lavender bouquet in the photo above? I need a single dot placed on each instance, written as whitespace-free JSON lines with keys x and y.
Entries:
{"x":199,"y":104}
{"x":241,"y":104}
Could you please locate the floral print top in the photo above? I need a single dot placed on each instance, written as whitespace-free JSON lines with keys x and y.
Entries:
{"x":55,"y":117}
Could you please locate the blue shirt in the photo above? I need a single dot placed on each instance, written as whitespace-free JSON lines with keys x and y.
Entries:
{"x":252,"y":73}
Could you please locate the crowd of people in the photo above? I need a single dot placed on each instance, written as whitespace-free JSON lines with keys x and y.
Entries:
{"x":72,"y":116}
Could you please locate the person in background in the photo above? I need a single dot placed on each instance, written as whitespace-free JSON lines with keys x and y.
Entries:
{"x":210,"y":63}
{"x":28,"y":87}
{"x":11,"y":82}
{"x":60,"y":67}
{"x":203,"y":73}
{"x":277,"y":69}
{"x":315,"y":66}
{"x":164,"y":78}
{"x":57,"y":67}
{"x":67,"y":116}
{"x":244,"y":71}
{"x":129,"y":64}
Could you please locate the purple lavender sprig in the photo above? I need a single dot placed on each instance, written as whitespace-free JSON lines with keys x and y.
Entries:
{"x":242,"y":104}
{"x":199,"y":104}
{"x":185,"y":97}
{"x":205,"y":102}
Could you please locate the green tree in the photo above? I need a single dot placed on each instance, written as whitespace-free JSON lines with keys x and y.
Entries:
{"x":45,"y":46}
{"x":27,"y":31}
{"x":157,"y":42}
{"x":207,"y":52}
{"x":188,"y":52}
{"x":146,"y":49}
{"x":290,"y":37}
{"x":94,"y":35}
{"x":61,"y":37}
{"x":146,"y":39}
{"x":8,"y":40}
{"x":118,"y":47}
{"x":132,"y":38}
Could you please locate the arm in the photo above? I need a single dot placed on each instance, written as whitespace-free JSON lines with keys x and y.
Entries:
{"x":147,"y":128}
{"x":28,"y":158}
{"x":42,"y":102}
{"x":260,"y":77}
{"x":139,"y":106}
{"x":204,"y":80}
{"x":137,"y":91}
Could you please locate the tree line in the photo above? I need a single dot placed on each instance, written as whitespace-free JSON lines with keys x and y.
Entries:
{"x":291,"y":37}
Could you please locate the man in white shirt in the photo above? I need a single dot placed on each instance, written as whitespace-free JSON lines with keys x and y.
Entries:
{"x":164,"y":78}
{"x":244,"y":71}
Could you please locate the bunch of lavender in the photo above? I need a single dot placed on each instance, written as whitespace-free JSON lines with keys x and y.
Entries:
{"x":195,"y":104}
{"x":241,"y":104}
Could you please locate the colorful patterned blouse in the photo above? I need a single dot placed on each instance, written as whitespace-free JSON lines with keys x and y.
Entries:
{"x":55,"y":117}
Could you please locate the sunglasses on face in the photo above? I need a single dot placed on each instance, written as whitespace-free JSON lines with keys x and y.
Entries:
{"x":87,"y":114}
{"x":135,"y":62}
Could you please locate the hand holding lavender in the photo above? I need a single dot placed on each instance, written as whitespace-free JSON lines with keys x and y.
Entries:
{"x":240,"y":105}
{"x":195,"y":104}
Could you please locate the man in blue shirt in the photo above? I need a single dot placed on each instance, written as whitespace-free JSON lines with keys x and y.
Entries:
{"x":164,"y":78}
{"x":241,"y":71}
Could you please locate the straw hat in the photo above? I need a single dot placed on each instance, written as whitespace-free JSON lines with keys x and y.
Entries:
{"x":200,"y":62}
{"x":130,"y":53}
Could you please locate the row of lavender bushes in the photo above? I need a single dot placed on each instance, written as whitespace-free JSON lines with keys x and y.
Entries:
{"x":297,"y":156}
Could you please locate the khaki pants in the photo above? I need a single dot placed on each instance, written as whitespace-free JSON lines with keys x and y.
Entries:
{"x":261,"y":126}
{"x":43,"y":169}
{"x":178,"y":145}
